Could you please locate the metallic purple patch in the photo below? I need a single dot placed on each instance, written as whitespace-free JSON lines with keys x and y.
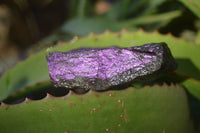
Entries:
{"x":103,"y":68}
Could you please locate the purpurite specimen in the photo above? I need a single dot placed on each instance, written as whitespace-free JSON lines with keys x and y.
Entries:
{"x":103,"y":68}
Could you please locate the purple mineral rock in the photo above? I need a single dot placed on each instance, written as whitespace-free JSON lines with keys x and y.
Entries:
{"x":103,"y":68}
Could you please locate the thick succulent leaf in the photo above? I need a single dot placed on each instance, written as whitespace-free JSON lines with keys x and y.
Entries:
{"x":25,"y":74}
{"x":192,"y":85}
{"x":198,"y":38}
{"x":34,"y":69}
{"x":193,"y":5}
{"x":150,"y":109}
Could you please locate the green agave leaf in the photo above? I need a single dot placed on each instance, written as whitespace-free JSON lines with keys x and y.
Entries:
{"x":150,"y":109}
{"x":192,"y":85}
{"x":34,"y":69}
{"x":198,"y":38}
{"x":193,"y":5}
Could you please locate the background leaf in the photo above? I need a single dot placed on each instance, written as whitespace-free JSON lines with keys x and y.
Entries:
{"x":193,"y":5}
{"x":84,"y":26}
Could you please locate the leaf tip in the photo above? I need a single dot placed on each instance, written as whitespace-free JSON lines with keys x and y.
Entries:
{"x":74,"y":39}
{"x":3,"y":104}
{"x":49,"y":95}
{"x":164,"y":84}
{"x":91,"y":33}
{"x":107,"y":31}
{"x":124,"y":30}
{"x":141,"y":29}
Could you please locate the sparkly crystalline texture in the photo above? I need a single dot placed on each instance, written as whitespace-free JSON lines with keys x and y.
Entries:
{"x":103,"y":68}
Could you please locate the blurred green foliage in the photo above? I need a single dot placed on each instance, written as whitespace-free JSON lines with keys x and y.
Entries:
{"x":176,"y":17}
{"x":50,"y":21}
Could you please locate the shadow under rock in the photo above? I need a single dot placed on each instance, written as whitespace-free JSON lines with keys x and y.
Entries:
{"x":16,"y":87}
{"x":187,"y":67}
{"x":56,"y":92}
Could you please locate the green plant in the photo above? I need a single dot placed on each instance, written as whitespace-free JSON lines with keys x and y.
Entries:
{"x":169,"y":104}
{"x":170,"y":98}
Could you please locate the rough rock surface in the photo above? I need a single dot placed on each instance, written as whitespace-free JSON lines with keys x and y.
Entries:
{"x":103,"y":68}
